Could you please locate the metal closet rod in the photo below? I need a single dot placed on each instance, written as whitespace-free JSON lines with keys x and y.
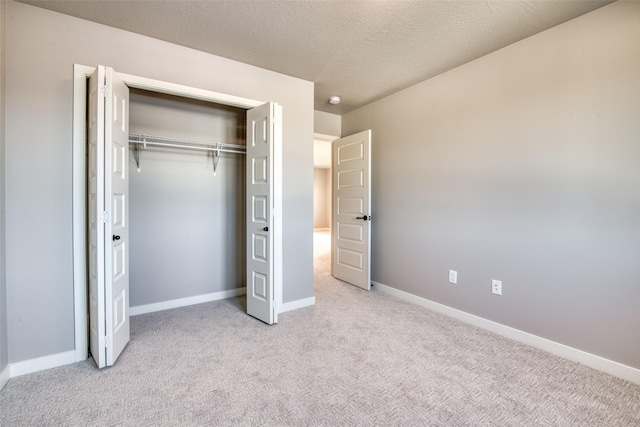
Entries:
{"x":141,"y":139}
{"x":144,"y":139}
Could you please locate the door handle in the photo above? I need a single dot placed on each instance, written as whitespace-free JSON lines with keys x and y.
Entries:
{"x":265,"y":229}
{"x":363,"y":217}
{"x":116,"y":237}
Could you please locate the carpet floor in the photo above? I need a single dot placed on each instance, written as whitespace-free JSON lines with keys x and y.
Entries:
{"x":356,"y":358}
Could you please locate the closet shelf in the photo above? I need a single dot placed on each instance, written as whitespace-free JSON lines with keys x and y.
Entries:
{"x":141,"y":139}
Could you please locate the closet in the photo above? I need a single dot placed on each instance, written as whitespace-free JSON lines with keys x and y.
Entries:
{"x":187,"y":221}
{"x":178,"y":211}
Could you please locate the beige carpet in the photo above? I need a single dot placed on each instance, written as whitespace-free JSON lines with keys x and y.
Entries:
{"x":356,"y":358}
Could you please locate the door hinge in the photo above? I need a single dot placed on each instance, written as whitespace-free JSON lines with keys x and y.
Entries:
{"x":104,"y":90}
{"x":106,"y":341}
{"x":104,"y":217}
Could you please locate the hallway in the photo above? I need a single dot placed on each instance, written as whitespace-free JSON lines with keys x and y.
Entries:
{"x":322,"y":252}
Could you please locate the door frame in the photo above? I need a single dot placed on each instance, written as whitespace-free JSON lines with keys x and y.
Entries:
{"x":79,"y":214}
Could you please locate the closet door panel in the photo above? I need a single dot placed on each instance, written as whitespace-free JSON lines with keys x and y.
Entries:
{"x":117,"y":226}
{"x":108,"y":210}
{"x":260,"y":213}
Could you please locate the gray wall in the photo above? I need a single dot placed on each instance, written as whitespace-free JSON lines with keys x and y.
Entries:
{"x":521,"y":166}
{"x":41,"y":49}
{"x":187,"y":226}
{"x":327,"y":123}
{"x":4,"y":355}
{"x":321,"y":198}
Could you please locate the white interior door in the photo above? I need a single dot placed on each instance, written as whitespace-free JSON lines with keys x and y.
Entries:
{"x":108,"y":216}
{"x":351,"y":210}
{"x":264,"y":217}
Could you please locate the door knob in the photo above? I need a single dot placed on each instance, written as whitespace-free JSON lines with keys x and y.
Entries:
{"x":265,"y":229}
{"x":362,"y":217}
{"x":116,"y":237}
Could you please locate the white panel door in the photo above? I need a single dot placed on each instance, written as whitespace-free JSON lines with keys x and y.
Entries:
{"x":116,"y":152}
{"x":264,"y":224}
{"x":95,"y":201}
{"x":108,"y":216}
{"x":351,"y":217}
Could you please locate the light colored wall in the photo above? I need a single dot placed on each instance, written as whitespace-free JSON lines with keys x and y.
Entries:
{"x":328,"y":197}
{"x":327,"y":123}
{"x":4,"y":355}
{"x":321,"y":197}
{"x":187,"y":226}
{"x":521,"y":166}
{"x":41,"y":49}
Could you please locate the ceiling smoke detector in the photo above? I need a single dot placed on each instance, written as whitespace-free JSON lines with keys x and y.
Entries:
{"x":334,"y":100}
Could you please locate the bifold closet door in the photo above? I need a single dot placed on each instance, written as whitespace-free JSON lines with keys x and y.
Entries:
{"x":264,"y":223}
{"x":108,"y":215}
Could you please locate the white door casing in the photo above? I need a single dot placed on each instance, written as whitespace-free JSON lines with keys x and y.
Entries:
{"x":108,"y":216}
{"x":351,"y":210}
{"x":264,"y":223}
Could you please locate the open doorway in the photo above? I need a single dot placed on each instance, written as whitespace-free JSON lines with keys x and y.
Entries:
{"x":322,"y":203}
{"x":342,"y":188}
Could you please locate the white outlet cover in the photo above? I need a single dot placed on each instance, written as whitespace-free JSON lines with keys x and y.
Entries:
{"x":453,"y":276}
{"x":496,"y":287}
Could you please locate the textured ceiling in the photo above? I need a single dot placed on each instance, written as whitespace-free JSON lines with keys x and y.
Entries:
{"x":360,"y":50}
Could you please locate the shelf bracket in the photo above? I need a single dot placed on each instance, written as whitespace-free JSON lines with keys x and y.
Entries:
{"x":216,"y":157}
{"x":136,"y":153}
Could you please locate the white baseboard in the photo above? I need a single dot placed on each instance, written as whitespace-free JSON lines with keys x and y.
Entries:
{"x":42,"y":363}
{"x":322,"y":229}
{"x":591,"y":360}
{"x":294,"y":305}
{"x":182,"y":302}
{"x":4,"y":376}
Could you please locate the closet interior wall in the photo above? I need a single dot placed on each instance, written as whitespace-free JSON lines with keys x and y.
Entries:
{"x":187,"y":226}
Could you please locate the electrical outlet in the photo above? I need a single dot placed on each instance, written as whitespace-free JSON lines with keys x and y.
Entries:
{"x":453,"y":276}
{"x":496,"y":287}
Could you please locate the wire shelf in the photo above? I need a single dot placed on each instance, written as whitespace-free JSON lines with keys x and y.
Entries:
{"x":141,"y":138}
